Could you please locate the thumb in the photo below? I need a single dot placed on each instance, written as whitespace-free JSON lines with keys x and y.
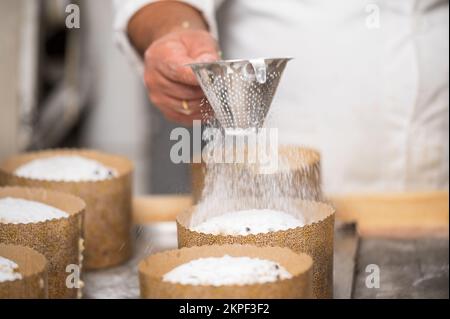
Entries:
{"x":207,"y":57}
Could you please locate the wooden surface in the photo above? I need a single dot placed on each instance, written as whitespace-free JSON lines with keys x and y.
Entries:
{"x":159,"y":208}
{"x":401,"y":215}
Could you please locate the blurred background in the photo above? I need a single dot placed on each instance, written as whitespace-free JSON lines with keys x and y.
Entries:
{"x":72,"y":87}
{"x":60,"y":87}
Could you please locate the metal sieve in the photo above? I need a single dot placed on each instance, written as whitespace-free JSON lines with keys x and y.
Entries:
{"x":240,"y":92}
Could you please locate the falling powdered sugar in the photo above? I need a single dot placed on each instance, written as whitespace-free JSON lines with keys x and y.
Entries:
{"x":243,"y":168}
{"x":227,"y":270}
{"x":21,"y":211}
{"x":66,"y":168}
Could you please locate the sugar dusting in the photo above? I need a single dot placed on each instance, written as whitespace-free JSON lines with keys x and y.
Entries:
{"x":241,"y":186}
{"x":246,"y":222}
{"x":18,"y":210}
{"x":66,"y":168}
{"x":8,"y":270}
{"x":227,"y":270}
{"x":241,"y":99}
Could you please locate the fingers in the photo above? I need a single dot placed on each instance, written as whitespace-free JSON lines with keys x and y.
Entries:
{"x":201,"y":46}
{"x":169,"y":57}
{"x":186,"y":120}
{"x":156,"y":81}
{"x":176,"y":69}
{"x":174,"y":110}
{"x":198,"y":46}
{"x":189,"y":107}
{"x":168,"y":78}
{"x":171,"y":54}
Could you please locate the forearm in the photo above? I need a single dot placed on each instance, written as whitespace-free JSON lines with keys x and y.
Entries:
{"x":159,"y":18}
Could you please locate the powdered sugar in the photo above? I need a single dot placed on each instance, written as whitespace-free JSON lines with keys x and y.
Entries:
{"x":66,"y":168}
{"x":227,"y":270}
{"x":246,"y":222}
{"x":17,"y":210}
{"x":8,"y":270}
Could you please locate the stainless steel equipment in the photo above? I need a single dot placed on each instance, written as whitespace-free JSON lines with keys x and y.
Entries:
{"x":240,"y":91}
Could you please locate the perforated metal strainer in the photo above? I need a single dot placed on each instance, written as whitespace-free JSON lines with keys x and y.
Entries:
{"x":240,"y":91}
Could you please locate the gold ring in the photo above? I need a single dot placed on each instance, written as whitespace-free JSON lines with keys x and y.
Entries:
{"x":185,"y":105}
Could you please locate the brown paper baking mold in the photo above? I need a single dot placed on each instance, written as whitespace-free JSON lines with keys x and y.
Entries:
{"x":32,"y":267}
{"x":152,"y":269}
{"x":59,"y":240}
{"x":314,"y":239}
{"x":108,"y":203}
{"x":303,"y":162}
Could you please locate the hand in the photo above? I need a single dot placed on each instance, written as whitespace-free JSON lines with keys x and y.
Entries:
{"x":169,"y":81}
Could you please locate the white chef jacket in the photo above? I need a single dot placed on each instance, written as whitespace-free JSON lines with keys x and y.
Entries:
{"x":368,"y":86}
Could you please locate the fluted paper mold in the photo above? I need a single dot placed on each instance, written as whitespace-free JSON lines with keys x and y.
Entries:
{"x":314,"y":239}
{"x":303,"y":163}
{"x":59,"y":240}
{"x":152,"y":269}
{"x":33,"y":269}
{"x":108,"y":213}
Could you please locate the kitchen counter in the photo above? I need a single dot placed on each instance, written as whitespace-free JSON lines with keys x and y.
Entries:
{"x":389,"y":232}
{"x":409,"y":268}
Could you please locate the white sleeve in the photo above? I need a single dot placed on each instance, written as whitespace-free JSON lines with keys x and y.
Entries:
{"x":125,"y":9}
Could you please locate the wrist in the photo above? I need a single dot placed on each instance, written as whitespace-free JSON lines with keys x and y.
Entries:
{"x":160,"y":18}
{"x":180,"y":27}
